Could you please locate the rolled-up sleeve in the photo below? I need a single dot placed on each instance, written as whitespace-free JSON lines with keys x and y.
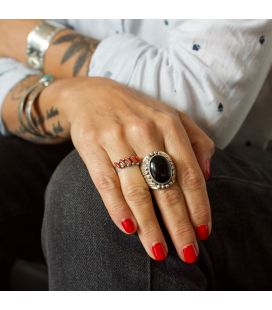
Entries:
{"x":212,"y":70}
{"x":11,"y":72}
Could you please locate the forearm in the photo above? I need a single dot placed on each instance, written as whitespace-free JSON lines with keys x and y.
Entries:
{"x":48,"y":114}
{"x":66,"y":56}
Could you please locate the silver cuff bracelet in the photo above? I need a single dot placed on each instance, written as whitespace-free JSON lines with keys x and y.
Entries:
{"x":38,"y":41}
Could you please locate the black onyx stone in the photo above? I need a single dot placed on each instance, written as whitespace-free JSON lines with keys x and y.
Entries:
{"x":160,"y":169}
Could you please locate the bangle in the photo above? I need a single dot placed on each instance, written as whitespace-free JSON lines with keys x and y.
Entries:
{"x":26,"y":105}
{"x":38,"y":41}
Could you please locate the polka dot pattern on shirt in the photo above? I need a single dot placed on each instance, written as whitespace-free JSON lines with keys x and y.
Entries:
{"x":220,"y":107}
{"x":262,"y":39}
{"x":108,"y":74}
{"x":166,"y":22}
{"x":196,"y":47}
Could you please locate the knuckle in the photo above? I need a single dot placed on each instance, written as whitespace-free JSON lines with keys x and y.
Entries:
{"x":172,"y":196}
{"x":114,"y":133}
{"x":86,"y":136}
{"x":192,"y":179}
{"x":182,"y":229}
{"x":200,"y":215}
{"x":149,"y":231}
{"x":138,"y":195}
{"x":104,"y":182}
{"x":140,"y":127}
{"x":115,"y":209}
{"x":170,"y":119}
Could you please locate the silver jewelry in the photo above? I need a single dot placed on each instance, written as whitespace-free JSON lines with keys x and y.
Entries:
{"x":45,"y":81}
{"x":158,"y":170}
{"x":38,"y":41}
{"x":21,"y":107}
{"x":26,"y":105}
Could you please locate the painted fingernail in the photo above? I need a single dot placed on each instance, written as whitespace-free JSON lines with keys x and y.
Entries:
{"x":159,"y":251}
{"x":202,"y":232}
{"x":207,"y":169}
{"x":128,"y":225}
{"x":189,"y":253}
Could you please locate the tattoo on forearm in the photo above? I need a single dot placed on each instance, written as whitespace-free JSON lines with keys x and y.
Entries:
{"x":82,"y":46}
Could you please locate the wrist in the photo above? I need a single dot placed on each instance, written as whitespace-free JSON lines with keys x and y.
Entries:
{"x":53,"y":110}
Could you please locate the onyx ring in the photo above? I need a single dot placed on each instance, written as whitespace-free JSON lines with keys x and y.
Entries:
{"x":158,"y":170}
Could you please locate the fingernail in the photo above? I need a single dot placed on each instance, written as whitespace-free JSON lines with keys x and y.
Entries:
{"x":128,"y":225}
{"x":207,"y":169}
{"x":159,"y":251}
{"x":202,"y":232}
{"x":190,"y":254}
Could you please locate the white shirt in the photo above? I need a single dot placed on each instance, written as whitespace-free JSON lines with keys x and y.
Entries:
{"x":213,"y":70}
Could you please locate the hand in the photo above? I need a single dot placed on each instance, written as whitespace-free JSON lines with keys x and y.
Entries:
{"x":109,"y":121}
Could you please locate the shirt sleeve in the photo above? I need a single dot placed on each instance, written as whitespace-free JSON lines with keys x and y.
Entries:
{"x":212,"y":70}
{"x":11,"y":72}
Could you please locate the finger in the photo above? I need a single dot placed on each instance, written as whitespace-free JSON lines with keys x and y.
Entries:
{"x":170,"y":200}
{"x":108,"y":185}
{"x":189,"y":176}
{"x":202,"y":145}
{"x":138,"y":198}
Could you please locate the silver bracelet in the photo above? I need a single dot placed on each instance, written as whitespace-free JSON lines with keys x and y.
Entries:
{"x":26,"y":105}
{"x":38,"y":41}
{"x":21,"y":107}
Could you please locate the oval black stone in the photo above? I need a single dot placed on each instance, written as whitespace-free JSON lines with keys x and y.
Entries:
{"x":160,"y":169}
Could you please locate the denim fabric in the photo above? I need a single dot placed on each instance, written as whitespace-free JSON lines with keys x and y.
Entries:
{"x":86,"y":251}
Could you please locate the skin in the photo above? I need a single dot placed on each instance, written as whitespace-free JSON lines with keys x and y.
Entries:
{"x":108,"y":121}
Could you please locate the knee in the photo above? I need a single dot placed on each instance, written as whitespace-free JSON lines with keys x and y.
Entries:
{"x":80,"y":241}
{"x":72,"y":203}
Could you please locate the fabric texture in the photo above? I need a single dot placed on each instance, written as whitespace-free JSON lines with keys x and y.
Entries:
{"x":25,"y":171}
{"x":86,"y":251}
{"x":213,"y":70}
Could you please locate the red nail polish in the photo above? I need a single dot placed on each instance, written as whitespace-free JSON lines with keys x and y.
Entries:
{"x":128,"y":225}
{"x":159,"y":251}
{"x":190,"y":254}
{"x":202,"y":232}
{"x":207,"y":169}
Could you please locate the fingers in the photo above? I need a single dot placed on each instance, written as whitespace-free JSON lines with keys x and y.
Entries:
{"x":137,"y":196}
{"x":189,"y":176}
{"x":170,"y":201}
{"x":107,"y":183}
{"x":202,"y":145}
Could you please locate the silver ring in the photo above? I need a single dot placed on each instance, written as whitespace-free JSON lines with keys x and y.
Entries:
{"x":158,"y":170}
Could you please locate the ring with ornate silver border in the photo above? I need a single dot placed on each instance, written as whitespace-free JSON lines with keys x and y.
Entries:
{"x":158,"y":170}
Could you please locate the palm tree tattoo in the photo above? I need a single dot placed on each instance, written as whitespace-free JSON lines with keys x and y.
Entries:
{"x":80,"y":45}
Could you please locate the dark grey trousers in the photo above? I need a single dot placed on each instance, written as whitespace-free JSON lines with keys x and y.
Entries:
{"x":85,"y":251}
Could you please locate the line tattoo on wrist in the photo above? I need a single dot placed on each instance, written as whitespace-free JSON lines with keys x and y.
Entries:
{"x":81,"y":46}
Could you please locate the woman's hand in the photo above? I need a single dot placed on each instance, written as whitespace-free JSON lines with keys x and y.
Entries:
{"x":109,"y":121}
